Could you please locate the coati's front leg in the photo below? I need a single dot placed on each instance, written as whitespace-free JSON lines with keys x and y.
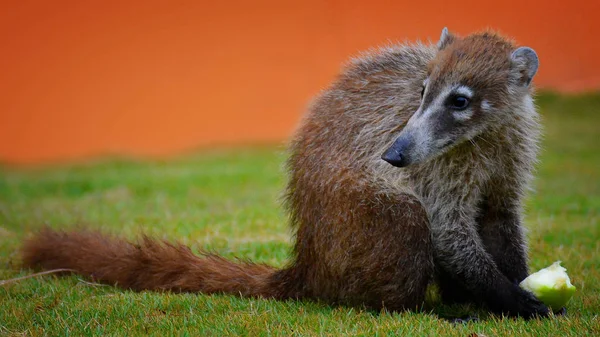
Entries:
{"x":502,"y":235}
{"x":460,"y":253}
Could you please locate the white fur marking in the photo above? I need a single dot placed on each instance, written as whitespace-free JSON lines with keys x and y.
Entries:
{"x":464,"y":91}
{"x":486,"y":106}
{"x":464,"y":115}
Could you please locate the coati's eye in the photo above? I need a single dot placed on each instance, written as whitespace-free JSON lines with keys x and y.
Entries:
{"x":458,"y":102}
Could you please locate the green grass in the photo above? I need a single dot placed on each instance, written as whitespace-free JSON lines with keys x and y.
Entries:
{"x":227,"y":201}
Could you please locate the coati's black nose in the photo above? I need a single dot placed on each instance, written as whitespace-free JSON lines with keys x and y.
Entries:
{"x":394,"y":157}
{"x":399,"y":153}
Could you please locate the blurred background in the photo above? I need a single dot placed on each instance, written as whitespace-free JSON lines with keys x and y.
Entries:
{"x":168,"y":118}
{"x":80,"y":79}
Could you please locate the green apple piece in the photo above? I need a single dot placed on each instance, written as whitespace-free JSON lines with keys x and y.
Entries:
{"x":550,"y":285}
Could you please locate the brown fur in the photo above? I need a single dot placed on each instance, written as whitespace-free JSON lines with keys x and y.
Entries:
{"x":150,"y":265}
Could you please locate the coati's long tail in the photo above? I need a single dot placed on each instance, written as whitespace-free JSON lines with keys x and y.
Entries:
{"x":149,"y":265}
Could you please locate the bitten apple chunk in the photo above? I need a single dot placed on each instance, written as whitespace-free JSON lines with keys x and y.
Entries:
{"x":550,"y":285}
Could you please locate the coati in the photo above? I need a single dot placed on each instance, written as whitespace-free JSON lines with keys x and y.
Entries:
{"x":410,"y":167}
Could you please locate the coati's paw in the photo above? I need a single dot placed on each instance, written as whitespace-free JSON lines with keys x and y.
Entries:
{"x":525,"y":304}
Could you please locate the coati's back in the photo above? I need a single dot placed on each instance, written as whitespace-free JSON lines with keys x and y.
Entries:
{"x":339,"y":190}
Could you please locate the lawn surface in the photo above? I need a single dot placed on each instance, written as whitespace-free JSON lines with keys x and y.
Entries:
{"x":228,"y":201}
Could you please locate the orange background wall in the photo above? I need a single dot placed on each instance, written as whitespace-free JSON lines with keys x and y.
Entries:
{"x":83,"y":78}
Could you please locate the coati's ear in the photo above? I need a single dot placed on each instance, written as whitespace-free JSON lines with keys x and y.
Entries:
{"x":524,"y":64}
{"x":445,"y":39}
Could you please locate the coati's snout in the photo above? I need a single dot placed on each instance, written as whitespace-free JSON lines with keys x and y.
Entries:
{"x":397,"y":154}
{"x":417,"y":142}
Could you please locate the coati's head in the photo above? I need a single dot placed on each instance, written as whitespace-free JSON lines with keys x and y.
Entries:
{"x":473,"y":84}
